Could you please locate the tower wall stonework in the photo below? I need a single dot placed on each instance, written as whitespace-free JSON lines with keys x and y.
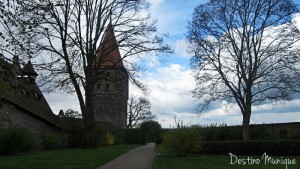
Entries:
{"x":110,"y":93}
{"x":110,"y":97}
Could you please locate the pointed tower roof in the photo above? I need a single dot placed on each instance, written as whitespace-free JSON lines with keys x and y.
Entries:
{"x":28,"y":69}
{"x":108,"y":55}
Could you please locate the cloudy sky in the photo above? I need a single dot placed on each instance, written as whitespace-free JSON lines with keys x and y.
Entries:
{"x":170,"y":82}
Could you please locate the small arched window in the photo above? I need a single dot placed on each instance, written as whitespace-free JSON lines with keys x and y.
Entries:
{"x":23,"y":91}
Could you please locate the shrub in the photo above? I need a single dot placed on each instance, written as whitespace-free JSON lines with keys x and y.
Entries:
{"x":151,"y":131}
{"x":15,"y":139}
{"x":110,"y":139}
{"x":107,"y":134}
{"x":182,"y":141}
{"x":51,"y":141}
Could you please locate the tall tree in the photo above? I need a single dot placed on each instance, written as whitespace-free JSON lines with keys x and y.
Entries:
{"x":139,"y":110}
{"x":246,"y":52}
{"x":68,"y":33}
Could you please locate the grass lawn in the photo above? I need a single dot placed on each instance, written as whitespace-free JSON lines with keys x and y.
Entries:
{"x":64,"y":159}
{"x":164,"y":161}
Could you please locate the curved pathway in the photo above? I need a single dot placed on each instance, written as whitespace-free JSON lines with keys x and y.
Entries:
{"x":139,"y":158}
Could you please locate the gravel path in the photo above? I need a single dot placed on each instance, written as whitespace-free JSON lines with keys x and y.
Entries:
{"x":139,"y":158}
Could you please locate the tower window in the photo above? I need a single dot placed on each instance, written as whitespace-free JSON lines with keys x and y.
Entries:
{"x":23,"y":91}
{"x":107,"y":86}
{"x":107,"y":74}
{"x":37,"y":96}
{"x":99,"y":86}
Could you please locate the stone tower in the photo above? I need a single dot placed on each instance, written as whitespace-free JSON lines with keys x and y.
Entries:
{"x":111,"y":89}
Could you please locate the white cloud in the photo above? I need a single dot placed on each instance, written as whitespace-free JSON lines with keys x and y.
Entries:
{"x":155,"y":4}
{"x":181,"y":47}
{"x":170,"y":93}
{"x":59,"y":101}
{"x":296,"y":20}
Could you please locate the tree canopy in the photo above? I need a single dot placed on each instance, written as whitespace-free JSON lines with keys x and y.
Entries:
{"x":139,"y":110}
{"x":245,"y":52}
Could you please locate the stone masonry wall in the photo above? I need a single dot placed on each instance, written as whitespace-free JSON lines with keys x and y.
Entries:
{"x":110,"y":97}
{"x":35,"y":125}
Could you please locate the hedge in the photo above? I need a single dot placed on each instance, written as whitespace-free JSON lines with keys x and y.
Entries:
{"x":132,"y":136}
{"x":256,"y":147}
{"x":15,"y":139}
{"x":257,"y":132}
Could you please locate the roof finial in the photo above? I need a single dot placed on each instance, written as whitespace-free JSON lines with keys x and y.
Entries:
{"x":110,"y":17}
{"x":16,"y":61}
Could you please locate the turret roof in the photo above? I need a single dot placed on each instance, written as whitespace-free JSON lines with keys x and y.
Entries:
{"x":28,"y":69}
{"x":23,"y":93}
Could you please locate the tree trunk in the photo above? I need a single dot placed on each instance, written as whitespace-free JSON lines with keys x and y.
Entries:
{"x":90,"y":140}
{"x":89,"y":119}
{"x":246,"y":118}
{"x":246,"y":124}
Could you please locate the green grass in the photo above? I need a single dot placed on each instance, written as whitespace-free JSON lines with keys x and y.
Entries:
{"x":64,"y":159}
{"x":164,"y":161}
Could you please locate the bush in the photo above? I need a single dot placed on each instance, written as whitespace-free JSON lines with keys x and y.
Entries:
{"x":152,"y":131}
{"x":51,"y":141}
{"x":182,"y":141}
{"x":110,"y":139}
{"x":15,"y":139}
{"x":108,"y":134}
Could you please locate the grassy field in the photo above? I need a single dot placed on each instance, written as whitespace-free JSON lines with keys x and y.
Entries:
{"x":64,"y":159}
{"x":214,"y":162}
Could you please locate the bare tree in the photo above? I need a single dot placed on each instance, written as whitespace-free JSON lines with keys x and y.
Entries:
{"x":139,"y":111}
{"x":68,"y":34}
{"x":246,"y":52}
{"x":17,"y":19}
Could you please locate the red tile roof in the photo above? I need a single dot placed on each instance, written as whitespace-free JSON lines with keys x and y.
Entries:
{"x":108,"y":55}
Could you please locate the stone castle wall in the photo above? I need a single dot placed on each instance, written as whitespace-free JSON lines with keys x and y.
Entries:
{"x":17,"y":116}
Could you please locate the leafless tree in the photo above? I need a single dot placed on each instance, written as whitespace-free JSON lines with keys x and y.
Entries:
{"x":13,"y":25}
{"x":68,"y":33}
{"x":139,"y":111}
{"x":246,"y":52}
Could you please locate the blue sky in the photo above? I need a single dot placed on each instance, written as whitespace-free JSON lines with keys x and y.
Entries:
{"x":171,"y":81}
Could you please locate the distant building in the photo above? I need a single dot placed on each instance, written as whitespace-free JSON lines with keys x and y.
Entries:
{"x":111,"y":90}
{"x":21,"y":101}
